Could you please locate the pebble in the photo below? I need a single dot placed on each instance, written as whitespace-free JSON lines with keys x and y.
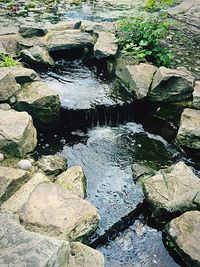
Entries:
{"x":24,"y":164}
{"x":1,"y":157}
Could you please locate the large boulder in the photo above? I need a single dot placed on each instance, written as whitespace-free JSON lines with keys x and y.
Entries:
{"x":20,"y":247}
{"x":84,"y":256}
{"x":172,"y":190}
{"x":189,"y":130}
{"x":21,"y":196}
{"x":53,"y":211}
{"x":73,"y":180}
{"x":52,"y":164}
{"x":106,"y":45}
{"x":196,"y":95}
{"x":11,"y":180}
{"x":32,"y":31}
{"x":37,"y":55}
{"x":184,"y":235}
{"x":171,"y":85}
{"x":137,"y":79}
{"x":68,"y":39}
{"x":22,"y":75}
{"x":17,"y":133}
{"x":41,"y":102}
{"x":8,"y":85}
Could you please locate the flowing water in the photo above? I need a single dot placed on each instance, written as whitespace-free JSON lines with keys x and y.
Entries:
{"x":106,"y":152}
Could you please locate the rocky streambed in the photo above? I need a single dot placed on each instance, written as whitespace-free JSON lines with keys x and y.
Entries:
{"x":95,"y":149}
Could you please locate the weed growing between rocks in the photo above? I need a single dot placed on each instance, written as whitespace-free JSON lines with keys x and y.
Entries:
{"x":8,"y":61}
{"x":141,"y":38}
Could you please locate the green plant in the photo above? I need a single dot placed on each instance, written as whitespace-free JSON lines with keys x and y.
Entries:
{"x":151,"y":5}
{"x":142,"y":38}
{"x":8,"y":61}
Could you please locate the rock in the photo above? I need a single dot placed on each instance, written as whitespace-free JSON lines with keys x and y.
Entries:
{"x":8,"y":30}
{"x":137,"y":79}
{"x":22,"y":75}
{"x":84,"y":256}
{"x":73,"y":180}
{"x":52,"y":165}
{"x":97,"y":27}
{"x":20,"y":247}
{"x":171,"y":85}
{"x":68,"y":39}
{"x":106,"y":45}
{"x":26,"y":43}
{"x":8,"y":85}
{"x":142,"y":169}
{"x":1,"y":157}
{"x":22,"y":196}
{"x":32,"y":31}
{"x":172,"y":190}
{"x":5,"y":106}
{"x":53,"y":211}
{"x":183,"y":234}
{"x":10,"y":43}
{"x":12,"y":100}
{"x":189,"y":130}
{"x":41,"y":102}
{"x":24,"y":164}
{"x":37,"y":55}
{"x":10,"y":181}
{"x":196,"y":95}
{"x":64,"y":25}
{"x":2,"y":50}
{"x":17,"y":133}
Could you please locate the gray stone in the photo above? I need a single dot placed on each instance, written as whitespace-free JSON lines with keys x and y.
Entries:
{"x":8,"y":85}
{"x":137,"y":79}
{"x":2,"y":50}
{"x":8,"y":30}
{"x":189,"y":130}
{"x":10,"y":43}
{"x":97,"y":27}
{"x":41,"y":102}
{"x":140,"y":170}
{"x":84,"y":256}
{"x":32,"y":31}
{"x":53,"y":211}
{"x":171,"y":85}
{"x":5,"y":106}
{"x":26,"y":43}
{"x":22,"y":196}
{"x":24,"y":164}
{"x":184,"y":235}
{"x":68,"y":39}
{"x":20,"y":247}
{"x":172,"y":190}
{"x":52,"y":164}
{"x":22,"y":75}
{"x":73,"y":180}
{"x":17,"y":133}
{"x":10,"y":181}
{"x":64,"y":25}
{"x":37,"y":55}
{"x":2,"y":157}
{"x":196,"y":95}
{"x":106,"y":45}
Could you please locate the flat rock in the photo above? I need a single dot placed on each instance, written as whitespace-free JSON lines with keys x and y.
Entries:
{"x":32,"y":31}
{"x":8,"y":30}
{"x":22,"y":195}
{"x":55,"y":212}
{"x":52,"y":164}
{"x":171,"y":85}
{"x":189,"y":130}
{"x":183,"y":234}
{"x":22,"y":75}
{"x":8,"y":85}
{"x":106,"y":45}
{"x":68,"y":39}
{"x":20,"y":247}
{"x":37,"y":55}
{"x":41,"y":102}
{"x":73,"y":180}
{"x":84,"y":256}
{"x":196,"y":95}
{"x":64,"y":25}
{"x":172,"y":190}
{"x":11,"y":180}
{"x":17,"y":133}
{"x":137,"y":79}
{"x":97,"y":27}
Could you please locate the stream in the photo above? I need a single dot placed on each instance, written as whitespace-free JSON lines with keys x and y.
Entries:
{"x":106,"y":148}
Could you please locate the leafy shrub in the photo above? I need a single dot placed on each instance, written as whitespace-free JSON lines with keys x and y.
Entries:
{"x":141,"y":38}
{"x":152,"y":5}
{"x":8,"y":61}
